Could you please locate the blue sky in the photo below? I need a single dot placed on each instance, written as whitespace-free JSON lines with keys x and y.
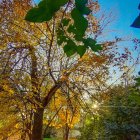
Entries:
{"x":127,"y":11}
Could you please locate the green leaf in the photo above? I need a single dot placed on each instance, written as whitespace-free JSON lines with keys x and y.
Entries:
{"x":61,"y":37}
{"x":71,"y":29}
{"x":78,"y":37}
{"x":80,"y":22}
{"x":45,"y":10}
{"x":96,"y":48}
{"x":81,"y":50}
{"x":70,"y":48}
{"x":85,"y":11}
{"x":61,"y":40}
{"x":38,"y":15}
{"x":89,"y":42}
{"x":80,"y":5}
{"x":65,"y":21}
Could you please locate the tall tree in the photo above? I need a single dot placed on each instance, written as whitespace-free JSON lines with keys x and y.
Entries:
{"x":33,"y":62}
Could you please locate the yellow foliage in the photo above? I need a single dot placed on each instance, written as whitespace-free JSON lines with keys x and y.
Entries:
{"x":17,"y":126}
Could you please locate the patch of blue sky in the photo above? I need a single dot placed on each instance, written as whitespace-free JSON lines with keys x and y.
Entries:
{"x":125,"y":12}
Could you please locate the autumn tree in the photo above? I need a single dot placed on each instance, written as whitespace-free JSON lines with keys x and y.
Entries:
{"x":34,"y":63}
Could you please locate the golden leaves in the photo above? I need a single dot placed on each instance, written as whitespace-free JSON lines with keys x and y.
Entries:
{"x":7,"y":89}
{"x":17,"y":125}
{"x":94,"y":6}
{"x":64,"y":78}
{"x":64,"y":115}
{"x":99,"y":60}
{"x":94,"y":59}
{"x":21,"y":7}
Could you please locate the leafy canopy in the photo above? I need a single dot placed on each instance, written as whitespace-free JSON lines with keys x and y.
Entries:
{"x":46,"y":10}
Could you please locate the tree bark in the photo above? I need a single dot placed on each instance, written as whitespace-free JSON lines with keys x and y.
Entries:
{"x":66,"y":133}
{"x":38,"y":124}
{"x":38,"y":115}
{"x":23,"y":135}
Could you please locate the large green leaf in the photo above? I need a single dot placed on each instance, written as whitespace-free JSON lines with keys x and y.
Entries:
{"x":89,"y":42}
{"x":70,"y":48}
{"x":85,"y":11}
{"x":96,"y":48}
{"x":81,"y":50}
{"x":80,"y":5}
{"x":65,"y":22}
{"x":80,"y":22}
{"x":38,"y":15}
{"x":45,"y":10}
{"x":72,"y":29}
{"x":61,"y":38}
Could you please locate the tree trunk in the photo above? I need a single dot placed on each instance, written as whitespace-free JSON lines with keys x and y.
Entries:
{"x":29,"y":134}
{"x":23,"y":136}
{"x":38,"y":115}
{"x":38,"y":124}
{"x":66,"y":133}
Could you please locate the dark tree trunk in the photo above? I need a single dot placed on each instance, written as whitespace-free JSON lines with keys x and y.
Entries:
{"x":38,"y":115}
{"x":38,"y":124}
{"x":127,"y":137}
{"x":66,"y":133}
{"x":29,"y":134}
{"x":23,"y":136}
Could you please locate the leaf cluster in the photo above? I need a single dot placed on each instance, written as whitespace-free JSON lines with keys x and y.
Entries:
{"x":79,"y":44}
